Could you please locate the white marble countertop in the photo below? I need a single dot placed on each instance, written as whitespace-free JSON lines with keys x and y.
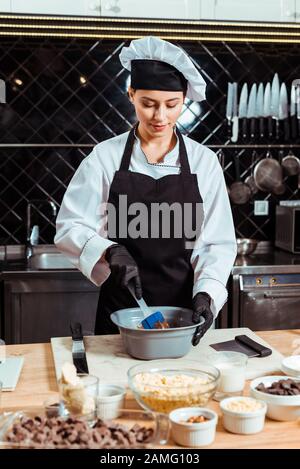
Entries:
{"x":108,"y":360}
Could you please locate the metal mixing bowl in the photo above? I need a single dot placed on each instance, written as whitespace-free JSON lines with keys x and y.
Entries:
{"x":150,"y":344}
{"x":246,"y":246}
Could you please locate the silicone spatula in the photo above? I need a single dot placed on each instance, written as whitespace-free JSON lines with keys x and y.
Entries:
{"x":150,"y":319}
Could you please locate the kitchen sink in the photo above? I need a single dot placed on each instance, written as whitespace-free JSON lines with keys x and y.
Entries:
{"x":44,"y":257}
{"x":50,"y":261}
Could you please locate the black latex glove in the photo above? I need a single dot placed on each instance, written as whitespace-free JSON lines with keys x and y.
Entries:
{"x":201,"y":307}
{"x":124,"y":268}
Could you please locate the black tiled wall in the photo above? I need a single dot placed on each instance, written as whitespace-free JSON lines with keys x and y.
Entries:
{"x":74,"y":92}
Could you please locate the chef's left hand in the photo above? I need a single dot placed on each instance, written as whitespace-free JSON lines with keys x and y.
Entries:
{"x":201,"y":307}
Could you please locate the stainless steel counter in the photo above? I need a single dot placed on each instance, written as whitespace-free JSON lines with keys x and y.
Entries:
{"x":47,"y":258}
{"x":264,"y":288}
{"x":276,"y":262}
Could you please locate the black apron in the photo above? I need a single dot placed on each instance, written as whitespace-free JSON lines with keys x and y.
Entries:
{"x":164,"y":263}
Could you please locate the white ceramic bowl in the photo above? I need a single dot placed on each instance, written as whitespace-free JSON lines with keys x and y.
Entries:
{"x":244,"y":423}
{"x":291,"y":365}
{"x":281,"y":408}
{"x":193,"y":434}
{"x":110,"y":400}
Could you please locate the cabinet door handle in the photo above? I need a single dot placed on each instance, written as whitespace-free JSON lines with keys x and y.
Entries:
{"x":282,"y":295}
{"x":95,"y":6}
{"x":290,"y":13}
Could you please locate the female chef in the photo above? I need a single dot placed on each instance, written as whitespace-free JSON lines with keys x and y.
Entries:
{"x":149,"y":180}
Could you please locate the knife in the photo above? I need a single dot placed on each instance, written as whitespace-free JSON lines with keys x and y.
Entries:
{"x":283,"y":111}
{"x":243,"y":109}
{"x":260,"y":109}
{"x":293,"y":112}
{"x":78,"y":350}
{"x":251,"y":111}
{"x":267,"y":109}
{"x":275,"y":90}
{"x":296,"y":84}
{"x":229,"y":107}
{"x":235,"y":119}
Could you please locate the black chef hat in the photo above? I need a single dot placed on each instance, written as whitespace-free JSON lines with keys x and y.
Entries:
{"x":156,"y":75}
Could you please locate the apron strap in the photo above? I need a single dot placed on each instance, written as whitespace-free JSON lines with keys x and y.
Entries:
{"x":184,"y":162}
{"x":128,"y":150}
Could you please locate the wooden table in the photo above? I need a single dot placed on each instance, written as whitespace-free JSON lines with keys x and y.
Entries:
{"x":38,"y":382}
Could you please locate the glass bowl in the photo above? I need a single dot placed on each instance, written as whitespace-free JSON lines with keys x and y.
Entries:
{"x":143,"y":430}
{"x":165,"y":385}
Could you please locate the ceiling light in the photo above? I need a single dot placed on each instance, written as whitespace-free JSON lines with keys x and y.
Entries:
{"x":18,"y":81}
{"x":83,"y":80}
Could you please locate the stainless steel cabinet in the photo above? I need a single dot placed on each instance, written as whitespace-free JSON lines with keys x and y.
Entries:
{"x":266,"y":302}
{"x":270,"y":310}
{"x":38,"y":307}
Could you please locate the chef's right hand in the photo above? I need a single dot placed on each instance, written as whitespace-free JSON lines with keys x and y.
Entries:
{"x":124,"y":268}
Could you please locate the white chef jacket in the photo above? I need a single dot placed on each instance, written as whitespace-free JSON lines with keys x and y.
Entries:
{"x":80,"y":224}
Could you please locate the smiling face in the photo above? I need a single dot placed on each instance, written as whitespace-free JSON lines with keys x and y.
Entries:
{"x":157,"y":111}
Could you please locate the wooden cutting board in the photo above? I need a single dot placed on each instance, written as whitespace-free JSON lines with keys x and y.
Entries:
{"x":107,"y":359}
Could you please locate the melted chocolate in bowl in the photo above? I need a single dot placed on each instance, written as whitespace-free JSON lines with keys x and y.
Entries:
{"x":170,"y":324}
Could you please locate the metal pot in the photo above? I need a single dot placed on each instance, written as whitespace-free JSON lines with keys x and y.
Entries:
{"x":246,"y":246}
{"x":150,"y":344}
{"x":291,"y":164}
{"x":250,"y":181}
{"x":239,"y":192}
{"x":268,"y":175}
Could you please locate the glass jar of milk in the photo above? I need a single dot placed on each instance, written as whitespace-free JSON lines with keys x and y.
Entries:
{"x":232,"y":367}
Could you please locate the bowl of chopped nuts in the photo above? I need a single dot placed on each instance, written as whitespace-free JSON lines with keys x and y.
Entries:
{"x":165,"y":385}
{"x":193,"y":426}
{"x":280,"y":393}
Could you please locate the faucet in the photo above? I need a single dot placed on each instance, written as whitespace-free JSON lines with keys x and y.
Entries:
{"x":32,"y":235}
